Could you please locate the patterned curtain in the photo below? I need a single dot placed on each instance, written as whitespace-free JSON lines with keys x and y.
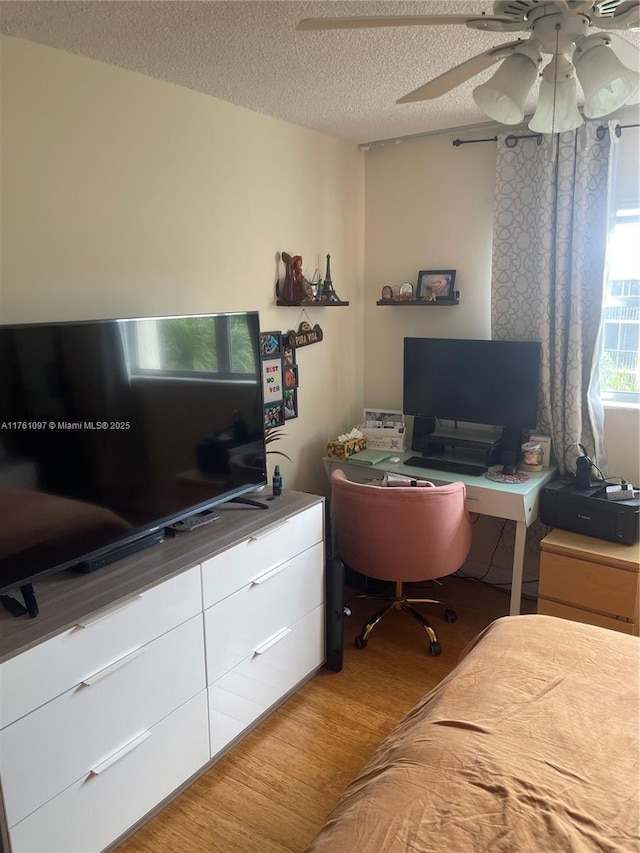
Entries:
{"x":549,"y":246}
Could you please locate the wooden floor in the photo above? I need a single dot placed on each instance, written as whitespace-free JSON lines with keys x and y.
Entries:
{"x":272,"y":792}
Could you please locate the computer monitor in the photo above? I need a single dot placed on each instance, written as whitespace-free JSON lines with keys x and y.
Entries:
{"x":492,"y":383}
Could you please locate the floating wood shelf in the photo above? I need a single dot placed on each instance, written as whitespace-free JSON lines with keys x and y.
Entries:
{"x":319,"y":304}
{"x":413,"y":303}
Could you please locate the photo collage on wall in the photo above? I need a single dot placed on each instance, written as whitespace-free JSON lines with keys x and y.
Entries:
{"x":279,"y":379}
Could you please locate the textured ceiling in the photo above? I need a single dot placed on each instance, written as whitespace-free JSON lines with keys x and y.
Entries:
{"x":343,"y":83}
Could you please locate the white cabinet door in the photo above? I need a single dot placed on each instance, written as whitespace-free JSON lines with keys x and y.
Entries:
{"x":275,"y":666}
{"x":234,"y":568}
{"x":47,"y":670}
{"x":275,"y":599}
{"x":93,"y":812}
{"x":49,"y":749}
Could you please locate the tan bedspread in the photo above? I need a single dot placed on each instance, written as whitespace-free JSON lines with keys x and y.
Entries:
{"x":530,"y":744}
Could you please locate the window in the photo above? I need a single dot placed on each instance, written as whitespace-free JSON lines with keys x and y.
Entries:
{"x":207,"y":347}
{"x":620,"y":358}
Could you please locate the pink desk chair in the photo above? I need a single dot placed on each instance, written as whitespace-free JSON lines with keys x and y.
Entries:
{"x":400,"y":534}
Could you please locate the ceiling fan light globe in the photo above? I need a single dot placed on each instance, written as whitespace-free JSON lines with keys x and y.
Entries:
{"x":565,"y":116}
{"x":503,"y":96}
{"x":607,"y":83}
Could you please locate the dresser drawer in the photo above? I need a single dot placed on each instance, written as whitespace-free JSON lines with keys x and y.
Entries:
{"x":94,"y":811}
{"x":234,"y":568}
{"x":63,"y":661}
{"x":275,"y":599}
{"x":590,"y":585}
{"x":49,"y":749}
{"x":244,"y":693}
{"x":575,"y":614}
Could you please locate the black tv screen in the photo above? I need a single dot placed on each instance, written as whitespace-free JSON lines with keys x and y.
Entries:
{"x":111,"y":430}
{"x":479,"y":382}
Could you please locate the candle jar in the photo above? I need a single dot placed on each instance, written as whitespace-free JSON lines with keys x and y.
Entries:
{"x":531,"y":456}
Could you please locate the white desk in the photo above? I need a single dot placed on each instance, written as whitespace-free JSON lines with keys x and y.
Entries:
{"x":517,"y":502}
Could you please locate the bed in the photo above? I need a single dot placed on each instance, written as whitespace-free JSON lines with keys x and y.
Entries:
{"x":530,"y":744}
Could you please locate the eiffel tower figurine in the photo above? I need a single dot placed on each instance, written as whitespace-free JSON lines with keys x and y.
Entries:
{"x":328,"y":293}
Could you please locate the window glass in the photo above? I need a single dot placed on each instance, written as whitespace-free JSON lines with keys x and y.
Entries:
{"x":620,"y":362}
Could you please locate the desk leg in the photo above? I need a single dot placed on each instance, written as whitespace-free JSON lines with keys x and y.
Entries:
{"x":518,"y":568}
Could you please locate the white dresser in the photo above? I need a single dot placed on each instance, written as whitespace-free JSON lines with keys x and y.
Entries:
{"x":136,"y":678}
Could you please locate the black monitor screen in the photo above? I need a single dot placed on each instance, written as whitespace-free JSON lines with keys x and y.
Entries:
{"x":111,"y":429}
{"x":480,"y":382}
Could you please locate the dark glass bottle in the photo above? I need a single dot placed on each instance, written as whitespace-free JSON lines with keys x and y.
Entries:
{"x":277,"y":482}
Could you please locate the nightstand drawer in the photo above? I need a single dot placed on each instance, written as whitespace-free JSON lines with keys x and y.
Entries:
{"x":590,"y":585}
{"x":242,"y":695}
{"x":49,"y":749}
{"x":275,"y":599}
{"x":102,"y":805}
{"x":229,"y":571}
{"x":575,"y":614}
{"x":60,"y":663}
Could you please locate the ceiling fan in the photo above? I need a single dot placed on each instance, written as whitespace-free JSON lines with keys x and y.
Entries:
{"x":574,"y":33}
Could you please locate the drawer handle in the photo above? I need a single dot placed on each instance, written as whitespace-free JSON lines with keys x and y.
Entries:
{"x":271,"y":641}
{"x":113,"y":667}
{"x":91,"y":620}
{"x":267,"y":531}
{"x":472,"y":497}
{"x":270,"y":573}
{"x":104,"y":765}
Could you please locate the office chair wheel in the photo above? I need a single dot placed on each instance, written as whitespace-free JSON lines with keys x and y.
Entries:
{"x":360,"y":643}
{"x":450,"y":615}
{"x":435,"y":648}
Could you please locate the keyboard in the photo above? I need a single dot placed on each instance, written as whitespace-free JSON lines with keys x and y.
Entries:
{"x":438,"y":464}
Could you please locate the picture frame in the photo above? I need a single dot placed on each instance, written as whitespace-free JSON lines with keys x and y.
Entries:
{"x":290,"y":403}
{"x":383,"y":419}
{"x":270,"y":344}
{"x":272,"y":381}
{"x":288,"y":354}
{"x":436,"y":286}
{"x":273,"y":415}
{"x":290,"y":376}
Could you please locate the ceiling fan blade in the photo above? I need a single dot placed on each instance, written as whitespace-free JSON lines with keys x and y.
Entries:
{"x":459,"y":74}
{"x":626,"y":17}
{"x":403,"y":21}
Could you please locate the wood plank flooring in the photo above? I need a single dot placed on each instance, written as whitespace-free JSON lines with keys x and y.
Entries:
{"x":273,"y":791}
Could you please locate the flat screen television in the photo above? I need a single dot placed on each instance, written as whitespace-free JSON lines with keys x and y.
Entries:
{"x":112,"y":430}
{"x":491,"y":383}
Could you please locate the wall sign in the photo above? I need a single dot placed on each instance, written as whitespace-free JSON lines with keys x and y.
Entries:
{"x":305,"y":335}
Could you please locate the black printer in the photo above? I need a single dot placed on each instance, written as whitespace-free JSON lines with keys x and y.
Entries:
{"x":588,"y":511}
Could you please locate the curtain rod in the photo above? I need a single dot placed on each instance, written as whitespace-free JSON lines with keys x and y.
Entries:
{"x":512,"y":140}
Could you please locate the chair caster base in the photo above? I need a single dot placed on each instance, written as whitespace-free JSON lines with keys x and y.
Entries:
{"x":450,"y":615}
{"x":435,"y":649}
{"x":359,"y":643}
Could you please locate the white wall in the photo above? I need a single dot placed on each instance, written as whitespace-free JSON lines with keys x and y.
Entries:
{"x":126,"y":196}
{"x":428,"y":206}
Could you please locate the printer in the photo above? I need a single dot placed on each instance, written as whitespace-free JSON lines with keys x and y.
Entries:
{"x":588,"y":511}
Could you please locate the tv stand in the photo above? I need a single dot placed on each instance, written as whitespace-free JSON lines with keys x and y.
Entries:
{"x":15,"y":608}
{"x":248,"y":502}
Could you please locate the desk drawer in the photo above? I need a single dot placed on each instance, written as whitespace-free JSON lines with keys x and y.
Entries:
{"x":277,"y":598}
{"x":589,"y":585}
{"x":244,"y":693}
{"x":44,"y":752}
{"x":49,"y":669}
{"x":94,"y":811}
{"x":575,"y":614}
{"x":230,"y":571}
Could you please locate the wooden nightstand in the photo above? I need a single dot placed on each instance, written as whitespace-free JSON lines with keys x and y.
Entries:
{"x":590,"y":580}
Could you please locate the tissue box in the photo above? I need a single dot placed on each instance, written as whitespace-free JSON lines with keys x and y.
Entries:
{"x":345,"y":449}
